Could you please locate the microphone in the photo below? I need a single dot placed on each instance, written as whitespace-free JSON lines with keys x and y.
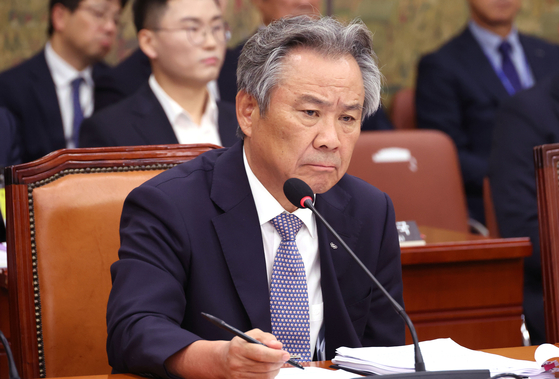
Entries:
{"x":301,"y":195}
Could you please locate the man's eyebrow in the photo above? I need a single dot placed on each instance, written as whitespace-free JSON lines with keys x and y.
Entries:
{"x":316,"y":101}
{"x":313,"y":100}
{"x":194,"y":19}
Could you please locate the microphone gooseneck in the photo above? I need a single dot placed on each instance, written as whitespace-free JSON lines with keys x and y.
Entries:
{"x":301,"y":195}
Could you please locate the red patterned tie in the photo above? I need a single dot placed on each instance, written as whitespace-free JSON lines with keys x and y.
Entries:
{"x":289,"y":304}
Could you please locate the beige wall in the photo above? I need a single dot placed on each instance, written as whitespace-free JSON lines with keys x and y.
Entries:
{"x":404,"y":29}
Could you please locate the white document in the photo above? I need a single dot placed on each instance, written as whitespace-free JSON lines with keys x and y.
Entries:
{"x":439,"y":355}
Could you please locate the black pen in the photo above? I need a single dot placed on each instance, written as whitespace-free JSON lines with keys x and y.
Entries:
{"x":223,"y":325}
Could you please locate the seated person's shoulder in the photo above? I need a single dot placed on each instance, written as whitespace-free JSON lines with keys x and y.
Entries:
{"x":363,"y":194}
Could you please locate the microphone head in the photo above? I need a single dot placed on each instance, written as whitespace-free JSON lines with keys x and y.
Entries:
{"x":297,"y":192}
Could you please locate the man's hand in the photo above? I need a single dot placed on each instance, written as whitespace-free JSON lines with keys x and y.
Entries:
{"x":230,"y":359}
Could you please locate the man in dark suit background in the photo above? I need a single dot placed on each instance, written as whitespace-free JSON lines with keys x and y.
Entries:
{"x":203,"y":236}
{"x":526,"y":120}
{"x":174,"y":105}
{"x":460,"y":86}
{"x":50,"y":93}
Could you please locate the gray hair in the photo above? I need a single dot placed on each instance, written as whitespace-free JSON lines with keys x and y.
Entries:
{"x":261,"y":61}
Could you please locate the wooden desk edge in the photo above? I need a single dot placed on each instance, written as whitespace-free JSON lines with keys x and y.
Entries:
{"x":521,"y":352}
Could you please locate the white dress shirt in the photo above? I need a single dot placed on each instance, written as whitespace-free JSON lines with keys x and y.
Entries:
{"x":63,"y":74}
{"x":267,"y":208}
{"x":186,"y":130}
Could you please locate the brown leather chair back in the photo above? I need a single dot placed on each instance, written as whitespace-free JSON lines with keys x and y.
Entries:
{"x":546,"y":158}
{"x":402,"y":109}
{"x":420,"y":172}
{"x":63,"y":221}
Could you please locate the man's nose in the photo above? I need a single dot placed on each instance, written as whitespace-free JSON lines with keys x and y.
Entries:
{"x":327,"y":136}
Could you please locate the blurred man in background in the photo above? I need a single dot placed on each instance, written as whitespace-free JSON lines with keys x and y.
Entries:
{"x":50,"y":94}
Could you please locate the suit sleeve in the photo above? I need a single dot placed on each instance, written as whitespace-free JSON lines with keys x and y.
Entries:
{"x":10,"y":145}
{"x":440,"y":107}
{"x":384,"y":326}
{"x":147,"y":301}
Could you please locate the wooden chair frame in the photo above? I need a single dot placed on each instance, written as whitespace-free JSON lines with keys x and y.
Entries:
{"x":546,"y":159}
{"x":23,"y":284}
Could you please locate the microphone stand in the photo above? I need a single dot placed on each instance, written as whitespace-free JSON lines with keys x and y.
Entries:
{"x":300,"y":194}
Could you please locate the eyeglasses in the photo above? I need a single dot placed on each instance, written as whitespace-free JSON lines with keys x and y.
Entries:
{"x":102,"y":16}
{"x":197,"y":34}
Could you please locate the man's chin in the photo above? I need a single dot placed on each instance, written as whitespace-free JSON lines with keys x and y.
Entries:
{"x":321,"y":186}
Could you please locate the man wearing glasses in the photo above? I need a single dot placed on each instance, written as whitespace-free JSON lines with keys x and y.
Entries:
{"x":51,"y":93}
{"x":185,"y":42}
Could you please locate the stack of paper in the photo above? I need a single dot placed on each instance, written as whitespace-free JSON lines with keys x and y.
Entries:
{"x":439,"y":355}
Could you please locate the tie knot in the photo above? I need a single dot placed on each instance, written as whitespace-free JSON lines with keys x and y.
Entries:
{"x":76,"y":83}
{"x":505,"y":48}
{"x":287,"y":225}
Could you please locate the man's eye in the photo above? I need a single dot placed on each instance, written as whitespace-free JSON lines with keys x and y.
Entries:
{"x":347,"y":118}
{"x":310,"y":112}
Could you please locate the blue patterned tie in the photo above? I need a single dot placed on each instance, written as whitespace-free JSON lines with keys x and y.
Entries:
{"x":508,"y":66}
{"x":78,"y":113}
{"x":289,"y":304}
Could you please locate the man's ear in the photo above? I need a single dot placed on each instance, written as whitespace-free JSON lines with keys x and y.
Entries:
{"x":147,"y":42}
{"x":59,"y":16}
{"x":248,"y":112}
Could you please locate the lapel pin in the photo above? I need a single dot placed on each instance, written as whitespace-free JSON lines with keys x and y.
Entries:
{"x":333,"y":245}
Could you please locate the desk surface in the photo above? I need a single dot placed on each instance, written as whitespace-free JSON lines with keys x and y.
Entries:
{"x":524,"y":352}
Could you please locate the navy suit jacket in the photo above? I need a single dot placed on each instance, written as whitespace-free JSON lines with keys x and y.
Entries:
{"x":9,"y":143}
{"x":140,"y":120}
{"x":29,"y":93}
{"x":458,"y":92}
{"x":191,"y":242}
{"x":526,"y":120}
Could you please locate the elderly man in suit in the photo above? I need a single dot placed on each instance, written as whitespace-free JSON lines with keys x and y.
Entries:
{"x":460,"y":86}
{"x":185,"y":42}
{"x":52,"y":92}
{"x":211,"y":235}
{"x":526,"y":120}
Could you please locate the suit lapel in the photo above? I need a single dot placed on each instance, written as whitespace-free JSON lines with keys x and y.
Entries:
{"x":151,"y":123}
{"x":473,"y":58}
{"x":537,"y":58}
{"x":46,"y":100}
{"x":338,"y":329}
{"x":240,"y":236}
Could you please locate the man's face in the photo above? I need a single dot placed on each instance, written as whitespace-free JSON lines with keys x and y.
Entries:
{"x":90,"y":30}
{"x":188,"y":46}
{"x":311,"y":125}
{"x":275,"y":9}
{"x":494,"y":12}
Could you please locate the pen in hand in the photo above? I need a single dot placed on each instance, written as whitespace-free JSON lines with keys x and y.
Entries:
{"x":223,"y":325}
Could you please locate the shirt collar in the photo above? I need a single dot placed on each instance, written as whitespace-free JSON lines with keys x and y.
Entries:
{"x":62,"y":72}
{"x":490,"y":41}
{"x":268,"y":207}
{"x":173,"y":110}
